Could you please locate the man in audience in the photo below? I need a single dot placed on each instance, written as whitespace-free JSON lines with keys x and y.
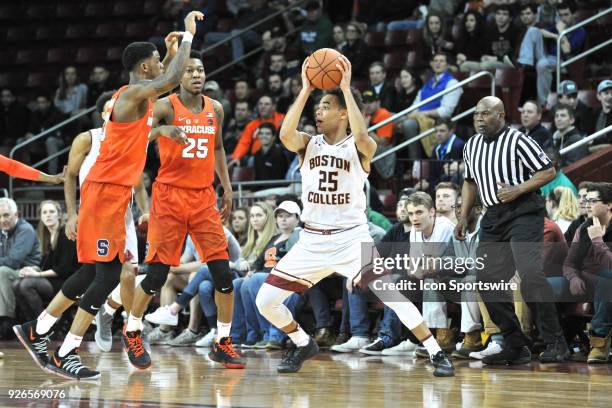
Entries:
{"x":568,"y":95}
{"x":235,"y":126}
{"x":274,"y":87}
{"x":571,"y":44}
{"x":449,"y":147}
{"x":99,"y":82}
{"x":373,"y":113}
{"x":249,"y":143}
{"x":43,"y":117}
{"x":531,"y":121}
{"x":270,"y":160}
{"x":602,"y":117}
{"x":567,"y":134}
{"x":13,"y":118}
{"x":317,"y":30}
{"x":242,"y":92}
{"x":560,"y":178}
{"x":423,"y":118}
{"x":582,"y":208}
{"x":446,"y":200}
{"x":19,"y":247}
{"x":384,"y":90}
{"x":588,"y":267}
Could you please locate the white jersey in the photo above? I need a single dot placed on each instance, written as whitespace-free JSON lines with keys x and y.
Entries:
{"x":97,"y":135}
{"x":333,"y":182}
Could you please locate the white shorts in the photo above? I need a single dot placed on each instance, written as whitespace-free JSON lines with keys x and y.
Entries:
{"x":316,"y":256}
{"x":131,"y":242}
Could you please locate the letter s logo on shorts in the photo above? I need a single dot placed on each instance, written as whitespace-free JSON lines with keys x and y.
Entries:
{"x":103,"y":247}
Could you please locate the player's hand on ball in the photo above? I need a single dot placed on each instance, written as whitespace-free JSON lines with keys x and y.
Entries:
{"x":71,"y":227}
{"x":344,"y":65}
{"x":305,"y":81}
{"x":508,"y":193}
{"x":190,"y":21}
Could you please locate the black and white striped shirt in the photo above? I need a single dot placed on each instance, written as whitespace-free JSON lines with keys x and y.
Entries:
{"x":510,"y":157}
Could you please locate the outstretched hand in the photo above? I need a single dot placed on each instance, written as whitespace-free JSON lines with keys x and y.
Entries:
{"x":190,"y":21}
{"x":344,"y":65}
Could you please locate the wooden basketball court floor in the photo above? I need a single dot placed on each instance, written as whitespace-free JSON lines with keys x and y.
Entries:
{"x":183,"y":377}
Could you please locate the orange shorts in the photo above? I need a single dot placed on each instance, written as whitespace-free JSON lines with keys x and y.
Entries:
{"x":176,"y":212}
{"x":101,"y":225}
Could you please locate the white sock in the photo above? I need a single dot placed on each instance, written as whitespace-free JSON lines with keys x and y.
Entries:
{"x":109,"y":310}
{"x":133,"y":323}
{"x":44,"y":322}
{"x":432,"y":346}
{"x":299,"y":337}
{"x":71,"y":342}
{"x":223,"y":330}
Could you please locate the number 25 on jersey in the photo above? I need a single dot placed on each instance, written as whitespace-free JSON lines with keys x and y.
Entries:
{"x":196,"y":148}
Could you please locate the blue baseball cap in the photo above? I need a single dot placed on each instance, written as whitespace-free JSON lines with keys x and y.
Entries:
{"x":603,"y":85}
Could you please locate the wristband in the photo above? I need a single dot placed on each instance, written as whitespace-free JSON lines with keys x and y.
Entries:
{"x":187,"y":37}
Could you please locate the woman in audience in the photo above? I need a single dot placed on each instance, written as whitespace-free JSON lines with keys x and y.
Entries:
{"x":239,"y":224}
{"x":262,"y":227}
{"x":435,"y":38}
{"x":471,"y":42}
{"x":409,"y":84}
{"x":37,"y":285}
{"x":71,"y":96}
{"x":356,"y":50}
{"x":338,"y":36}
{"x":562,"y":207}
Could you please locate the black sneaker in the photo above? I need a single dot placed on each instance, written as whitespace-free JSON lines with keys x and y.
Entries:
{"x":375,"y":348}
{"x":35,"y":344}
{"x":443,"y":366}
{"x":71,"y":367}
{"x":223,"y":352}
{"x":138,"y":356}
{"x":294,"y":358}
{"x":555,"y":352}
{"x":509,"y":356}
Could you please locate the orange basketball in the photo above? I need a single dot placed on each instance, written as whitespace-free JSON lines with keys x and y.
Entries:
{"x":322,"y":70}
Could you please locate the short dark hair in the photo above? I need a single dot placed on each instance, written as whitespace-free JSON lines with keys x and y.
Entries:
{"x":537,"y":105}
{"x":530,"y":6}
{"x":195,"y":55}
{"x":337,"y":92}
{"x":566,"y":4}
{"x":377,"y":64}
{"x":103,"y":98}
{"x":269,"y":126}
{"x":445,"y":121}
{"x":585,"y":184}
{"x":568,"y":108}
{"x":604,"y":189}
{"x":440,"y":52}
{"x":135,"y":52}
{"x":504,"y":7}
{"x":449,"y":185}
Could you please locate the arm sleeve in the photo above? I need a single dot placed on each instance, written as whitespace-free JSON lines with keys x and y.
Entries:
{"x":23,"y":245}
{"x":449,"y":101}
{"x":531,"y":154}
{"x":244,"y":143}
{"x":17,"y":169}
{"x":602,"y":254}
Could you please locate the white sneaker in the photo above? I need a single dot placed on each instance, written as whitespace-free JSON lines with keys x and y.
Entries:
{"x":353,"y":344}
{"x":163,"y":315}
{"x":156,"y":336}
{"x":492,"y":348}
{"x":405,"y":348}
{"x":207,"y":340}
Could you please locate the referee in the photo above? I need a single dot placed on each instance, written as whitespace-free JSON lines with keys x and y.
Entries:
{"x":507,"y":169}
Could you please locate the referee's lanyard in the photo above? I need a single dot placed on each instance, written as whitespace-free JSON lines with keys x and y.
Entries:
{"x":446,"y":148}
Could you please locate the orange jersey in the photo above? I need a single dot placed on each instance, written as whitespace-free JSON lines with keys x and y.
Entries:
{"x":123,"y":150}
{"x":192,"y":165}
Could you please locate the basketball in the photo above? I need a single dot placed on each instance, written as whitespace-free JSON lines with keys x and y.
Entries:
{"x":322,"y":71}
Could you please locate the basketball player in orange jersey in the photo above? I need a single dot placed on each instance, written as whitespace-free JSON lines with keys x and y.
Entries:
{"x":334,"y":167}
{"x":183,"y":202}
{"x":19,"y":170}
{"x":107,"y":192}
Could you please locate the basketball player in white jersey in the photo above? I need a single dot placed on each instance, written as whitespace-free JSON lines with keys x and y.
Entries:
{"x":334,"y":167}
{"x":82,"y":156}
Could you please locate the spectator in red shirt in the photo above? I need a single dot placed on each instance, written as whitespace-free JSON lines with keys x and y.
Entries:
{"x":373,"y":113}
{"x":249,"y":143}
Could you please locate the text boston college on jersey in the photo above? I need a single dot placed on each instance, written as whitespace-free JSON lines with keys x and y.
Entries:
{"x":328,"y":180}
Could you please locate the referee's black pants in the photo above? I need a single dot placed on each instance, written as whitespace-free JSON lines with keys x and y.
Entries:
{"x":511,"y":238}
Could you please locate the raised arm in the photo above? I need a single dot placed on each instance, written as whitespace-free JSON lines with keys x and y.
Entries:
{"x":172,"y":75}
{"x":171,"y":40}
{"x":293,"y":140}
{"x":366,"y":146}
{"x":221,"y":163}
{"x":79,"y":149}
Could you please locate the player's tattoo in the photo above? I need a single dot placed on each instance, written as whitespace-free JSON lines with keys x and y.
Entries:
{"x":172,"y":76}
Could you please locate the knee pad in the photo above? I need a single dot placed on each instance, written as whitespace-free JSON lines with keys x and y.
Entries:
{"x":106,"y":279}
{"x":155,"y":279}
{"x":221,"y":275}
{"x":78,"y":282}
